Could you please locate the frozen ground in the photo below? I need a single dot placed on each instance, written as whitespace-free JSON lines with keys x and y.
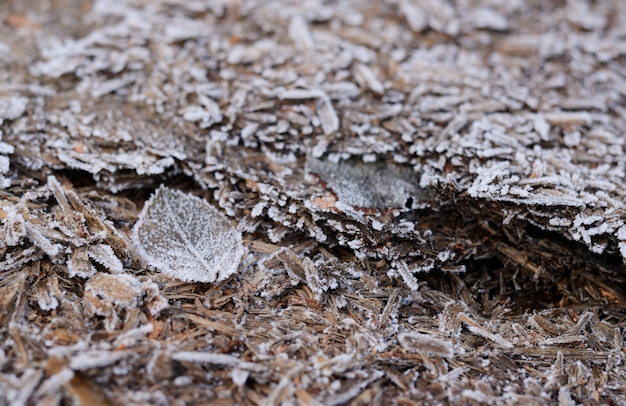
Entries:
{"x":362,"y":202}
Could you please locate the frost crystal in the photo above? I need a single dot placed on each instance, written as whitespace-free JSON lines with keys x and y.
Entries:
{"x":103,"y":254}
{"x":12,"y":107}
{"x":4,"y":161}
{"x":367,"y":78}
{"x":187,"y":238}
{"x":300,"y":34}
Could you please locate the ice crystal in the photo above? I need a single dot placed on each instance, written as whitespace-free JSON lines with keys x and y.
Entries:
{"x":4,"y":161}
{"x":12,"y":107}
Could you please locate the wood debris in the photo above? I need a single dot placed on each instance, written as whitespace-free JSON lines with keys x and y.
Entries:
{"x":424,"y":202}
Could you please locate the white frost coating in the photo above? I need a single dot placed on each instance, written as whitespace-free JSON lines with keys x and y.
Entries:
{"x":12,"y":107}
{"x":130,"y":337}
{"x":478,"y":330}
{"x":4,"y":164}
{"x":54,"y":383}
{"x":41,"y":241}
{"x":218,"y":359}
{"x":414,"y":342}
{"x":257,"y":210}
{"x":474,"y":395}
{"x":453,"y":375}
{"x":407,"y":275}
{"x":5,"y":148}
{"x":299,"y":94}
{"x":183,"y":381}
{"x":327,"y":115}
{"x":96,"y":359}
{"x":366,"y":78}
{"x":4,"y":161}
{"x":47,"y":302}
{"x":416,"y":17}
{"x":565,"y":398}
{"x":78,"y":264}
{"x":207,"y":114}
{"x":120,"y":289}
{"x":239,"y":376}
{"x":329,"y":120}
{"x":13,"y":225}
{"x":489,"y":19}
{"x":186,"y":238}
{"x":104,"y":255}
{"x":182,"y":29}
{"x":25,"y":386}
{"x":300,"y":34}
{"x":443,"y":256}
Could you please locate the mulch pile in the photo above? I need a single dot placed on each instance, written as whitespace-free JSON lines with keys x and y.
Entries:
{"x":408,"y":202}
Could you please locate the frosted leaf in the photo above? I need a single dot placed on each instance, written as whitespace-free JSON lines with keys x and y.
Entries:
{"x":186,"y":238}
{"x":376,"y":185}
